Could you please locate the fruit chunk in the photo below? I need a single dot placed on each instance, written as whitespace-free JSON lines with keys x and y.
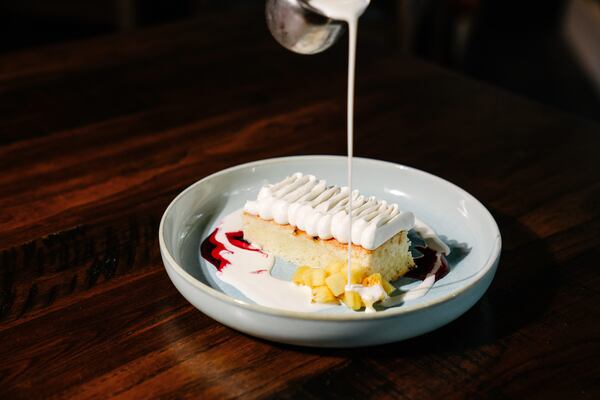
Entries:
{"x":328,"y":285}
{"x":317,"y":277}
{"x":335,"y":267}
{"x":372,"y":280}
{"x":357,"y":274}
{"x":352,"y":300}
{"x":388,"y":287}
{"x":336,"y":283}
{"x":308,"y":276}
{"x":376,"y":279}
{"x":301,"y":276}
{"x":322,"y":294}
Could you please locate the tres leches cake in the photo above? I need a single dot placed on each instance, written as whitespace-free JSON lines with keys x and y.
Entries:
{"x":304,"y":221}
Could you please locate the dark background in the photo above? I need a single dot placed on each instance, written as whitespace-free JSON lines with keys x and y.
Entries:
{"x":522,"y":46}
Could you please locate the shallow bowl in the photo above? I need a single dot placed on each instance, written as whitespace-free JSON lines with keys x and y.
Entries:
{"x":460,"y":219}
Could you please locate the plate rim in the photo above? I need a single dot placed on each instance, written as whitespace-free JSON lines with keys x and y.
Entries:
{"x":489,"y":263}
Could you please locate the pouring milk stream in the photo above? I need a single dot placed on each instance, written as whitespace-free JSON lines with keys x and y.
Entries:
{"x":348,"y":11}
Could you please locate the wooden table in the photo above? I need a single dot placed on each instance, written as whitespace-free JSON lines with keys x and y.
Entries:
{"x":97,"y":137}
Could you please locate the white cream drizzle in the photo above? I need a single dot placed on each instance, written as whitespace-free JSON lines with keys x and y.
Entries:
{"x":430,"y":238}
{"x":369,"y":295}
{"x":420,"y":290}
{"x":308,"y":204}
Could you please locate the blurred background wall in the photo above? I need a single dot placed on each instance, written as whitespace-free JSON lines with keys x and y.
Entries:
{"x":547,"y":50}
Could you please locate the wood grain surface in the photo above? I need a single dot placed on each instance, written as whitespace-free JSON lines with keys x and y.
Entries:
{"x":98,"y":136}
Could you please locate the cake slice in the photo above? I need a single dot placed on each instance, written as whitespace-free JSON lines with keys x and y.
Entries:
{"x":306,"y":222}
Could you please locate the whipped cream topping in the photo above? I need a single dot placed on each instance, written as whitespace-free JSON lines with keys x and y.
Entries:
{"x":307,"y":203}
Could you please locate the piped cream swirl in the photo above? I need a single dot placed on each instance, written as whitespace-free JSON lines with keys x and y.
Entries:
{"x":307,"y":203}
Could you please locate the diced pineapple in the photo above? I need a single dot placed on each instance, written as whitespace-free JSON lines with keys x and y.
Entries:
{"x":335,"y":267}
{"x":357,"y":274}
{"x":336,"y":283}
{"x":317,"y":277}
{"x":376,"y":279}
{"x":322,"y":294}
{"x":302,"y":276}
{"x":352,"y":300}
{"x":372,"y":280}
{"x":388,"y":287}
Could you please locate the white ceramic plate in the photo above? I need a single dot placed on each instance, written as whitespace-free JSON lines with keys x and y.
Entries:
{"x":461,"y":220}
